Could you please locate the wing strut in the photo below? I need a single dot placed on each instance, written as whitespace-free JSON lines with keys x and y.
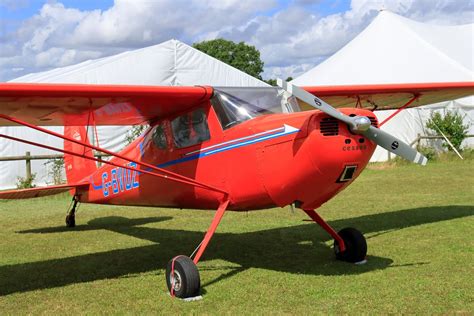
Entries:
{"x":194,"y":183}
{"x":165,"y":173}
{"x":415,"y":97}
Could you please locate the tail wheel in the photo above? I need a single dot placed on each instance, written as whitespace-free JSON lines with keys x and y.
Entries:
{"x":356,"y":246}
{"x":182,"y":277}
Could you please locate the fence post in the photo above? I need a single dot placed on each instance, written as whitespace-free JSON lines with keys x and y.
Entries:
{"x":28,"y":165}
{"x":99,"y":156}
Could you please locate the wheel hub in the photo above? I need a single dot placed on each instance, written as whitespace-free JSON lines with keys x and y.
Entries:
{"x":176,"y":281}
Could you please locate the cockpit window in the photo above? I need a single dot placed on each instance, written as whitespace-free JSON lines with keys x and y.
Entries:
{"x":159,"y":136}
{"x":190,"y":129}
{"x":236,"y":105}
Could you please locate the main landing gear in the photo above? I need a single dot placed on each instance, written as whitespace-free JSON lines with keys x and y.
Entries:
{"x":182,"y":275}
{"x":349,"y":243}
{"x":71,"y":216}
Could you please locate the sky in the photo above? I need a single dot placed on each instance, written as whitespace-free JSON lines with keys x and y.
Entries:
{"x":292,"y":36}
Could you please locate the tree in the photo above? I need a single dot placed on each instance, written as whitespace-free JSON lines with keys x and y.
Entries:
{"x":241,"y":56}
{"x":133,"y":133}
{"x":273,"y":82}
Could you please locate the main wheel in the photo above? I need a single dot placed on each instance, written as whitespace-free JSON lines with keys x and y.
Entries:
{"x":183,"y":279}
{"x":70,"y":221}
{"x":356,"y":246}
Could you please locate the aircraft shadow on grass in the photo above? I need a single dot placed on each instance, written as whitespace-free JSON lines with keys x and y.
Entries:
{"x":296,"y":249}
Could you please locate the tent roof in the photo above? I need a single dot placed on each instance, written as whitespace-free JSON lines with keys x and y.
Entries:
{"x":171,"y":63}
{"x":394,"y":49}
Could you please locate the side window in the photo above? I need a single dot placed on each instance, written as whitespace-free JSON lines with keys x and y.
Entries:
{"x":159,"y":136}
{"x":190,"y":129}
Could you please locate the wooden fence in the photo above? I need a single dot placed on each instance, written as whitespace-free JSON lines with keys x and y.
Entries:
{"x":28,"y":158}
{"x":420,"y":137}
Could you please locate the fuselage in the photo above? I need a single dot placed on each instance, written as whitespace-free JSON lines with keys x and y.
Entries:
{"x":274,"y":159}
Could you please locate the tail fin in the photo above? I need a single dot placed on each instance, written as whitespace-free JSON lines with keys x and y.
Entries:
{"x":77,"y":168}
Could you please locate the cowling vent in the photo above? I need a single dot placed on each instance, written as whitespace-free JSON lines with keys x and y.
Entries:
{"x":373,"y":121}
{"x":329,"y":126}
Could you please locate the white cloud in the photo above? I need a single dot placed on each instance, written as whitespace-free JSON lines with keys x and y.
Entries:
{"x":446,"y":12}
{"x":13,"y":5}
{"x":291,"y":39}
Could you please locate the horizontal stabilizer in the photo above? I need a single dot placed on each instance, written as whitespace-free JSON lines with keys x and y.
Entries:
{"x":39,"y":192}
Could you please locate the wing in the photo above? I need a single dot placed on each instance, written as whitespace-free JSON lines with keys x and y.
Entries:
{"x":391,"y":96}
{"x":39,"y":192}
{"x":61,"y":104}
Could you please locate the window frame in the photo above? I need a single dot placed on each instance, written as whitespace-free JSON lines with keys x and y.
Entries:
{"x":205,"y":111}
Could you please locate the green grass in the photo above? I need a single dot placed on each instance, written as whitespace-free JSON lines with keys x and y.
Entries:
{"x":418,"y":222}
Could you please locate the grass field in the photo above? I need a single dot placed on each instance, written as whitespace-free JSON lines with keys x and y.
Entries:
{"x":418,"y":222}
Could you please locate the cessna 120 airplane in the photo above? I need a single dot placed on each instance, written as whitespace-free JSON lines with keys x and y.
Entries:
{"x":218,"y":148}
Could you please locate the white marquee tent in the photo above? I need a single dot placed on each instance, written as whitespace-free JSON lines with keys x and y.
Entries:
{"x":171,"y":63}
{"x":394,"y":49}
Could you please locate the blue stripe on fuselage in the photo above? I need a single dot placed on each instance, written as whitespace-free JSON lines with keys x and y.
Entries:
{"x":218,"y":150}
{"x":225,"y":148}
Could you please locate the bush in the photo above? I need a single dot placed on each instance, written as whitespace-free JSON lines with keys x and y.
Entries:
{"x":429,"y":152}
{"x":25,"y":182}
{"x":451,"y":126}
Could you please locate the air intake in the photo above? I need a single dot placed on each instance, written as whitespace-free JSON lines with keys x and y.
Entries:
{"x":329,"y":126}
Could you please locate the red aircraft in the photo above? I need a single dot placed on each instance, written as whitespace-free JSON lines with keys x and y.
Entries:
{"x":236,"y":149}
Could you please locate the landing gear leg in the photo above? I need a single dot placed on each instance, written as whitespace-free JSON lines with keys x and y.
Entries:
{"x":182,"y":275}
{"x":349,"y":243}
{"x":71,"y":216}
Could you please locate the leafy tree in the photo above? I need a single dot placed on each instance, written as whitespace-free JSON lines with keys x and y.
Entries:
{"x":451,"y":125}
{"x":239,"y":55}
{"x":272,"y":82}
{"x":134,"y":132}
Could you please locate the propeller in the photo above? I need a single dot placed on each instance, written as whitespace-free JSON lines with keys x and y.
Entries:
{"x":357,"y":124}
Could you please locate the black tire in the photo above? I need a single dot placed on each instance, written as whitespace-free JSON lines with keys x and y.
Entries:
{"x":70,"y":221}
{"x":187,"y":275}
{"x":356,"y":246}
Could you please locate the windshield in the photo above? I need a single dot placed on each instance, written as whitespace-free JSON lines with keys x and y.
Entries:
{"x":237,"y":105}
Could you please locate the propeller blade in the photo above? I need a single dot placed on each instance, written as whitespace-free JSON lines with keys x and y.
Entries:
{"x":315,"y":102}
{"x":357,"y":124}
{"x":394,"y":145}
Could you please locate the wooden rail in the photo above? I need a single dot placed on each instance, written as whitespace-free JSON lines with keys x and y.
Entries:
{"x":28,"y":158}
{"x":420,"y":137}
